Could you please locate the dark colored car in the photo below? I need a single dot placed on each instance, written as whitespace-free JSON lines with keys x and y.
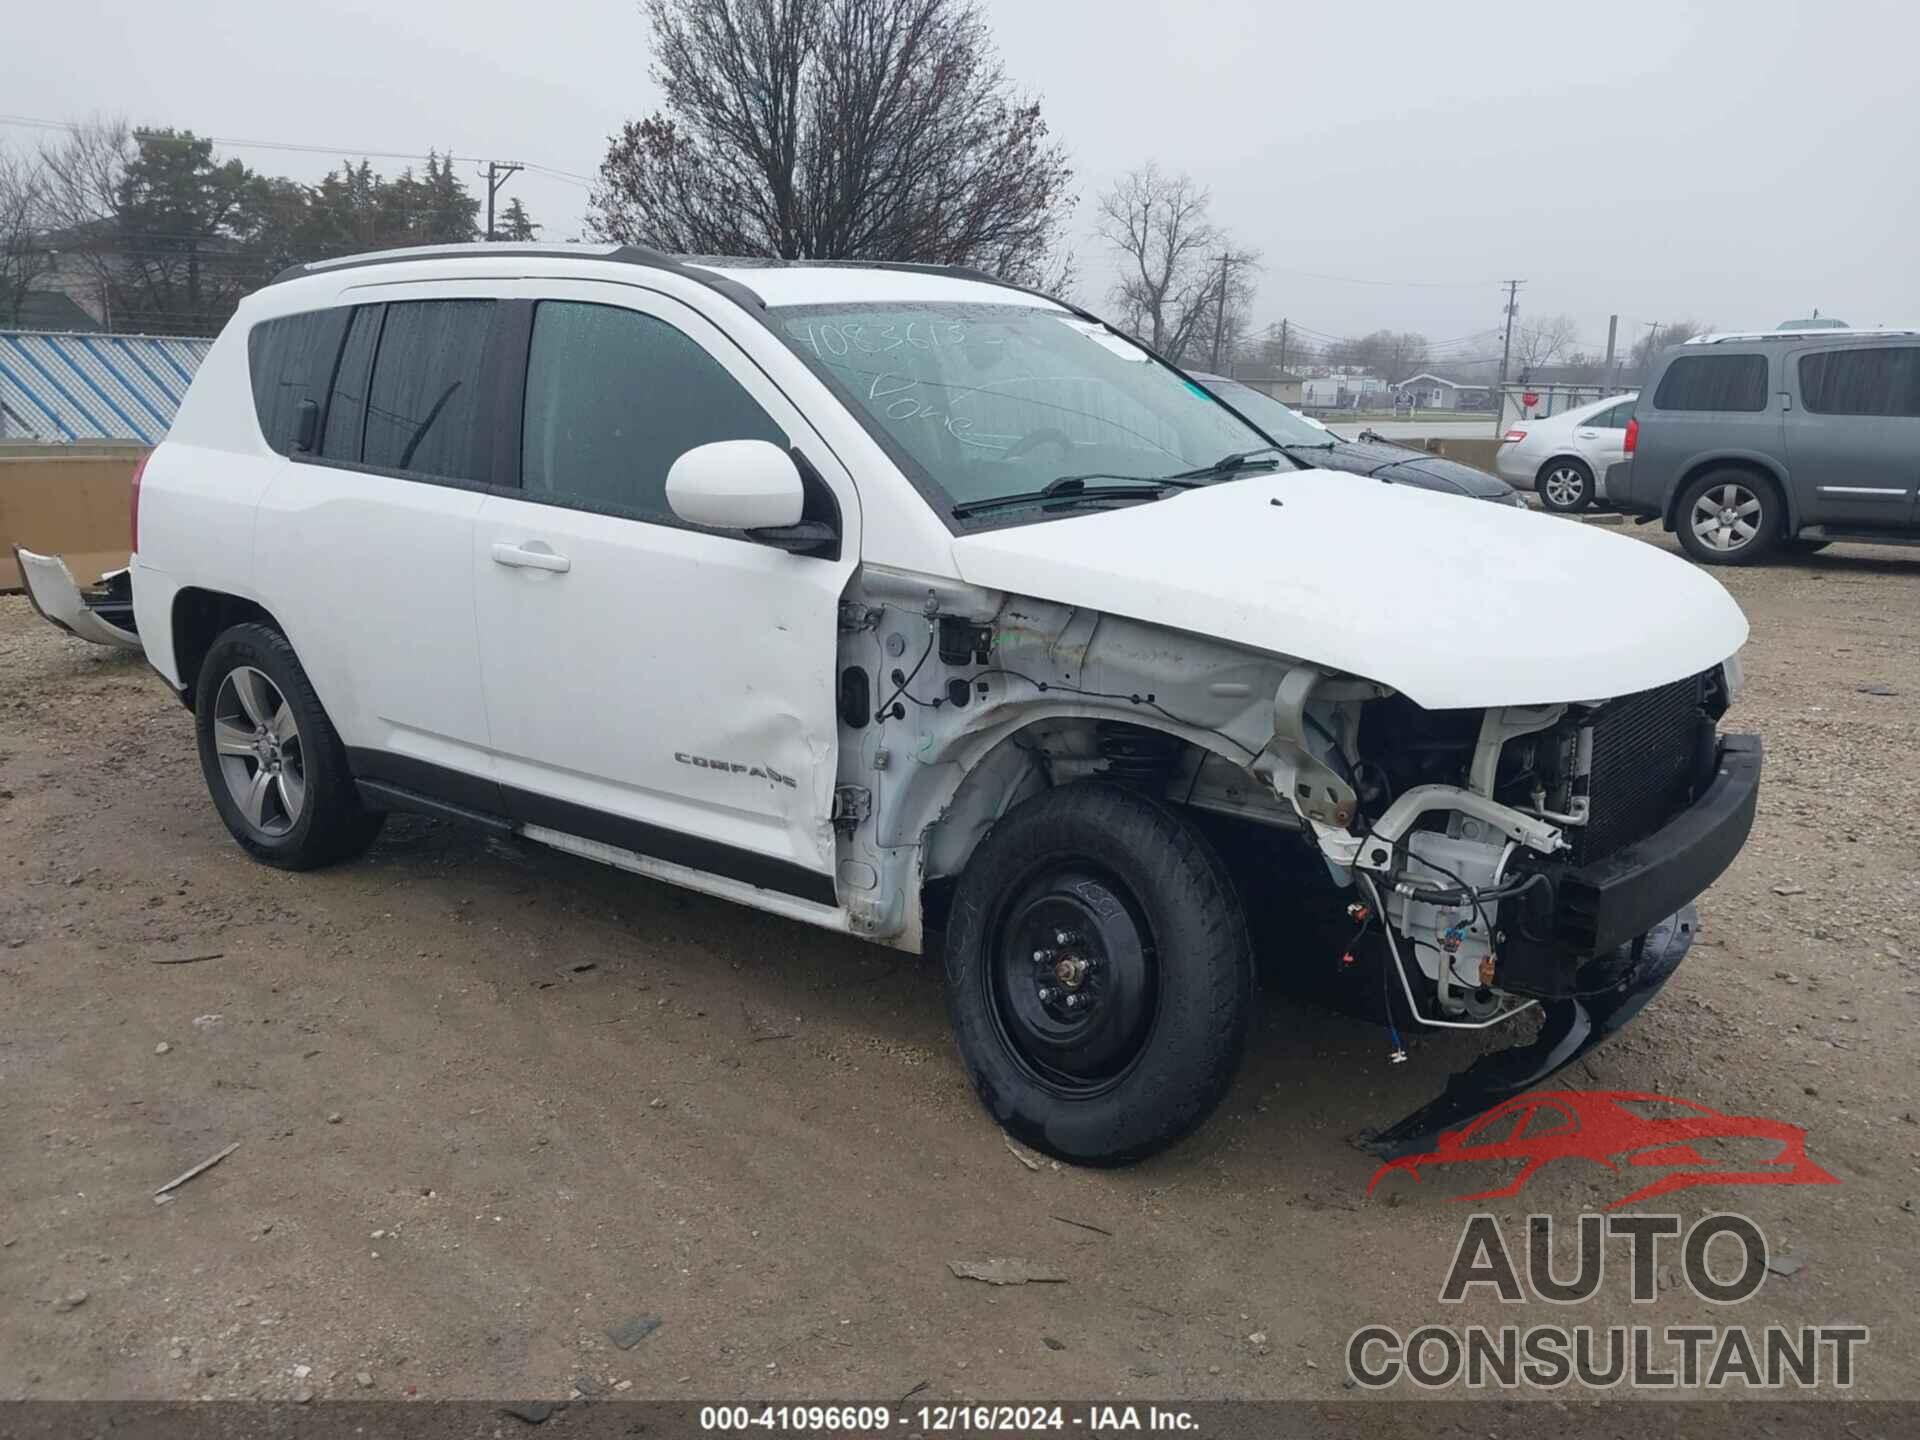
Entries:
{"x":1309,"y":444}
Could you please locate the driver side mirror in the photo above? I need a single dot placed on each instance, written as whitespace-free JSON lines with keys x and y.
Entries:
{"x":755,"y":486}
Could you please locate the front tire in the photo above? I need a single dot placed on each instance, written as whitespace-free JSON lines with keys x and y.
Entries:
{"x":1099,"y":975}
{"x":273,"y":763}
{"x":1565,"y":486}
{"x":1728,"y":517}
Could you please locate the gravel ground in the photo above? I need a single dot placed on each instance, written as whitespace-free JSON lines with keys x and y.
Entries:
{"x":491,"y":1102}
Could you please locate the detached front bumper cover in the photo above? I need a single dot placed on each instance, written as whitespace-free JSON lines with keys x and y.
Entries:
{"x":1615,"y":901}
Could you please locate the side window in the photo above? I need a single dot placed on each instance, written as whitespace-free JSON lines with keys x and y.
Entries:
{"x":1714,"y":382}
{"x":347,"y":407}
{"x":1611,"y":419}
{"x":614,"y":397}
{"x":290,"y":360}
{"x":1882,"y":380}
{"x":424,"y":394}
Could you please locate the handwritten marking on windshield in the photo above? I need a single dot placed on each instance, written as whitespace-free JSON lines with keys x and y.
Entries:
{"x":837,"y":340}
{"x":901,"y":398}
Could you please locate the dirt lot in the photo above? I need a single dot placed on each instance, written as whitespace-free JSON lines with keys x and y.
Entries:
{"x":491,"y":1101}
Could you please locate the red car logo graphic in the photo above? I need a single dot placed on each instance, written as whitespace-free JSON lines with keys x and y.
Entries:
{"x":1618,"y":1128}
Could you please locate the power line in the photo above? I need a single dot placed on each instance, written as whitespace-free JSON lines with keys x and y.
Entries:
{"x":585,"y":182}
{"x":341,"y":152}
{"x":1392,"y":284}
{"x":1455,"y":343}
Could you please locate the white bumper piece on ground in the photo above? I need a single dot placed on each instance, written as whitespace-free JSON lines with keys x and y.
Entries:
{"x":57,"y":599}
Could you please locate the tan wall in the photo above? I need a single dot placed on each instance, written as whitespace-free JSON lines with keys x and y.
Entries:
{"x":68,"y":504}
{"x":1476,"y":452}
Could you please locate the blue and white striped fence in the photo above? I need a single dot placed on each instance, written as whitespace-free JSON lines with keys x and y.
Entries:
{"x":60,"y":387}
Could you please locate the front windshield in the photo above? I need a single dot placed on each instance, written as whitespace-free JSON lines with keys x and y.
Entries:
{"x":1271,"y":416}
{"x":996,"y":400}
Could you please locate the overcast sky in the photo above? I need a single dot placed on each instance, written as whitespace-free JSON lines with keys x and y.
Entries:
{"x":1736,"y":163}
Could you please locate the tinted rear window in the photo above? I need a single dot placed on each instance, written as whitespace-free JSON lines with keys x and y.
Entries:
{"x":1714,"y":382}
{"x":1884,"y":380}
{"x":291,"y":360}
{"x":425,"y":389}
{"x":347,"y":408}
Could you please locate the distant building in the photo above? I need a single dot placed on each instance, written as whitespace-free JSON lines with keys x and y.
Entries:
{"x":65,"y":387}
{"x":54,"y":310}
{"x":1275,"y":384}
{"x":1435,"y":392}
{"x":1341,"y":388}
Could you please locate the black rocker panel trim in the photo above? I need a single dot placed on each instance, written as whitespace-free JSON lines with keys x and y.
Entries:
{"x":466,"y":796}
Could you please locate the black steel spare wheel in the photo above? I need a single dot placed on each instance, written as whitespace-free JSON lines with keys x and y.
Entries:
{"x":1098,"y":974}
{"x":1074,"y":981}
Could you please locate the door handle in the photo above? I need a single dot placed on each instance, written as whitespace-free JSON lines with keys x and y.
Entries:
{"x":531,"y":556}
{"x":1589,"y":434}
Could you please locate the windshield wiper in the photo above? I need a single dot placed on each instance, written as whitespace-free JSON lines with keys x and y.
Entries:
{"x":1227,"y":464}
{"x":1073,"y":488}
{"x":1310,"y":445}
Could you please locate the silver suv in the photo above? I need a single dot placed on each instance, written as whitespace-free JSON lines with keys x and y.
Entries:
{"x":1744,"y":443}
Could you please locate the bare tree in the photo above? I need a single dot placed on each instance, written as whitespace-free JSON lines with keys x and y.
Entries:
{"x":1226,"y":312}
{"x":836,"y":129}
{"x":1180,"y":276}
{"x":1278,"y":354}
{"x":1403,"y":354}
{"x":24,"y":257}
{"x":1540,"y":344}
{"x":1663,"y":337}
{"x":1392,"y":355}
{"x":83,"y":173}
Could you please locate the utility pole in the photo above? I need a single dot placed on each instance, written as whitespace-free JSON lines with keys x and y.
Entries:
{"x":1653,"y":332}
{"x":1506,"y":350}
{"x":1283,"y":344}
{"x":1219,"y":312}
{"x":1613,"y":331}
{"x":498,"y":173}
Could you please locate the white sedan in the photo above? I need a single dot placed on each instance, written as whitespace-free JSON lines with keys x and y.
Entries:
{"x":1565,"y":457}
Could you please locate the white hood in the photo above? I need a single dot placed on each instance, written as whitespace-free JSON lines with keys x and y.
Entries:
{"x":1455,"y":603}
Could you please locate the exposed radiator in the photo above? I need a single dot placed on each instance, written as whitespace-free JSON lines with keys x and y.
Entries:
{"x":1646,"y":750}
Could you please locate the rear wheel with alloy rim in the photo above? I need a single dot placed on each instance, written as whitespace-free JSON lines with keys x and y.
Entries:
{"x":274,"y":765}
{"x":1099,"y":976}
{"x":1728,"y":517}
{"x":1565,"y":486}
{"x":261,"y":756}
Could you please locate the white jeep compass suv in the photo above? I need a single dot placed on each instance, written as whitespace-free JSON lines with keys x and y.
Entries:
{"x":895,"y":600}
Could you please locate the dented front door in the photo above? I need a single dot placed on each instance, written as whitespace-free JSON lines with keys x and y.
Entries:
{"x":664,"y":689}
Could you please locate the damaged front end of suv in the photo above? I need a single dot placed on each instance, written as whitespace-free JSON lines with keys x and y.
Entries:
{"x":1496,"y":859}
{"x":1537,"y":855}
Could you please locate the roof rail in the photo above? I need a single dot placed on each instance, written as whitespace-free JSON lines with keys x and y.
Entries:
{"x":701,"y":269}
{"x":620,"y":254}
{"x":1741,"y":337}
